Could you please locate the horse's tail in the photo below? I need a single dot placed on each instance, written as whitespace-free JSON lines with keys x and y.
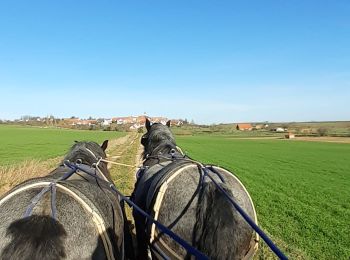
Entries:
{"x":220,"y":232}
{"x":35,"y":237}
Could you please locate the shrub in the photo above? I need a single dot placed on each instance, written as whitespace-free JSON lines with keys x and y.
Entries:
{"x":322,"y":131}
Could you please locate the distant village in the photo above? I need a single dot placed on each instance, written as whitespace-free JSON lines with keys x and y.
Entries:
{"x":114,"y":123}
{"x":137,"y":123}
{"x":122,"y":123}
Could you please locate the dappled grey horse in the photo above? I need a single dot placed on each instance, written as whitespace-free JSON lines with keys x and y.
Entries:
{"x":175,"y":191}
{"x":76,"y":218}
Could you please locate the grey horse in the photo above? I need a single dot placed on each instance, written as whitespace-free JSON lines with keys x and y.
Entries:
{"x":171,"y":187}
{"x":89,"y":219}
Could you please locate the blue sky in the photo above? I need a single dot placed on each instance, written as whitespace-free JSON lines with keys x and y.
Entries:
{"x":210,"y":61}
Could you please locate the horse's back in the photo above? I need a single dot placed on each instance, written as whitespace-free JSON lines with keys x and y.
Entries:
{"x":242,"y":197}
{"x":87,"y":213}
{"x":181,"y":204}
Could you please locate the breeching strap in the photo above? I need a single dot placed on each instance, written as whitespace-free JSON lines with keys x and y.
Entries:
{"x":52,"y":189}
{"x":256,"y":228}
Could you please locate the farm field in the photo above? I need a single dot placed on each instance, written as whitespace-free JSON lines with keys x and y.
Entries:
{"x":300,"y":189}
{"x":24,"y":143}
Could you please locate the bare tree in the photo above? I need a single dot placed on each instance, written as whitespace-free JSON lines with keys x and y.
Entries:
{"x":322,"y":131}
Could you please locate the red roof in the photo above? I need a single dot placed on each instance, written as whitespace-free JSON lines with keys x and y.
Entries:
{"x":244,"y":126}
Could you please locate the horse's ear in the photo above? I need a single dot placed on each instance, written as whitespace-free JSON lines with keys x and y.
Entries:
{"x":168,"y":123}
{"x":104,"y":145}
{"x":148,"y":124}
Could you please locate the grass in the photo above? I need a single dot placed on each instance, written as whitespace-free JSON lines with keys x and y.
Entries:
{"x":24,"y":143}
{"x":300,"y":189}
{"x":15,"y":174}
{"x":221,"y":130}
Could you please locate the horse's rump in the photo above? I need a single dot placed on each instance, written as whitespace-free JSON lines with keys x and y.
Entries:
{"x":90,"y":215}
{"x":177,"y":198}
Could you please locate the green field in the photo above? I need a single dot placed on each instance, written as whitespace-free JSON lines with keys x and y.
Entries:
{"x":301,"y":190}
{"x":22,"y":143}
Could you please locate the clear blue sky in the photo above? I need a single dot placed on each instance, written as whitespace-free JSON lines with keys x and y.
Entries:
{"x":210,"y":61}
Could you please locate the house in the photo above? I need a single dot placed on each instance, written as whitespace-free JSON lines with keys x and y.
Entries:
{"x":123,"y":120}
{"x":161,"y":120}
{"x":132,"y":120}
{"x":136,"y":126}
{"x":71,"y":121}
{"x":258,"y":127}
{"x":87,"y":122}
{"x":280,"y":129}
{"x":244,"y":127}
{"x":290,"y":136}
{"x":177,"y":122}
{"x":141,"y":120}
{"x":126,"y":120}
{"x":106,"y":122}
{"x":119,"y":121}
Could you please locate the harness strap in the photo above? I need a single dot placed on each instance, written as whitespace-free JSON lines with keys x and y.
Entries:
{"x":35,"y":200}
{"x":52,"y":189}
{"x":116,"y":163}
{"x":53,"y":200}
{"x":160,"y":252}
{"x":87,"y":149}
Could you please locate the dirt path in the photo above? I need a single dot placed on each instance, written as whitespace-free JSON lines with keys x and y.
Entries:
{"x":125,"y":150}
